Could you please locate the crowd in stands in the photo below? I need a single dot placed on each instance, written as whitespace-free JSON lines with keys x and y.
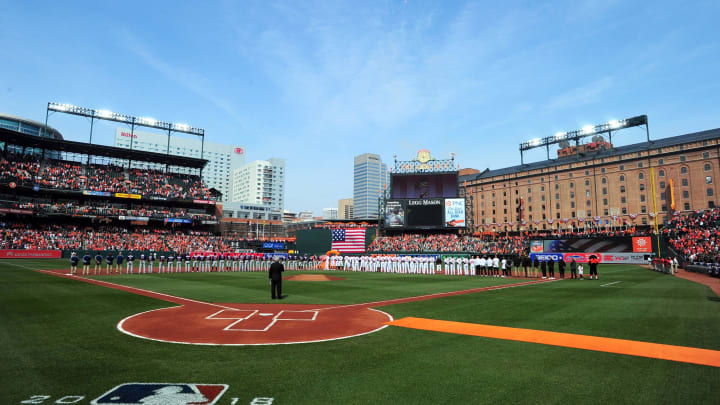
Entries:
{"x":30,"y":170}
{"x":696,"y":237}
{"x":102,"y":238}
{"x":486,"y":244}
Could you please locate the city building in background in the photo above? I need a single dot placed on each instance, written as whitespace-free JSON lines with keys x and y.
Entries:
{"x":345,"y":208}
{"x":261,"y":182}
{"x":606,"y":187}
{"x":223,"y":160}
{"x":370,"y":178}
{"x":330,"y":213}
{"x":251,"y":211}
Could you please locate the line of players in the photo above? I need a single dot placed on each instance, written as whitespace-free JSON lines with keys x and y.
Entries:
{"x":460,"y":266}
{"x":178,"y":263}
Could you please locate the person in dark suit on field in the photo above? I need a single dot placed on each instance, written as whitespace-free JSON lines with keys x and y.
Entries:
{"x":551,"y":268}
{"x":561,"y":267}
{"x":543,"y":268}
{"x":276,"y":269}
{"x":573,"y":269}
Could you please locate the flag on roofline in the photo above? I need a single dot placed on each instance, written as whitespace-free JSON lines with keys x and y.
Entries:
{"x":348,"y":240}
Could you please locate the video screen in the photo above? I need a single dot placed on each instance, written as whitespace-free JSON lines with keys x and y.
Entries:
{"x":394,"y":214}
{"x":424,"y":185}
{"x":425,"y":213}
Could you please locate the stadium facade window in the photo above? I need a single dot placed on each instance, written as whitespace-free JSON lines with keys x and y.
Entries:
{"x":642,"y":197}
{"x":572,"y":185}
{"x":663,"y":208}
{"x":687,"y":206}
{"x":542,"y":197}
{"x":572,"y":204}
{"x":622,"y":177}
{"x":640,"y":164}
{"x":588,"y":203}
{"x":588,"y":213}
{"x":572,"y":194}
{"x":641,"y":176}
{"x":587,"y":193}
{"x":557,"y":186}
{"x":660,"y":161}
{"x":709,"y":192}
{"x":602,"y":170}
{"x":682,"y":158}
{"x":708,"y":167}
{"x":557,"y":206}
{"x":644,"y":221}
{"x":587,"y":172}
{"x":605,"y":212}
{"x":708,"y":179}
{"x":642,"y":187}
{"x":572,"y":214}
{"x":603,"y":180}
{"x":661,"y":173}
{"x":571,"y":175}
{"x":529,"y":191}
{"x":686,"y":194}
{"x":622,"y":189}
{"x":604,"y":190}
{"x":604,"y":201}
{"x":624,"y":210}
{"x":684,"y":182}
{"x":556,"y":176}
{"x":622,"y":167}
{"x":587,"y":182}
{"x":557,"y":215}
{"x":557,"y":196}
{"x":662,"y":185}
{"x":706,"y":155}
{"x":542,"y":188}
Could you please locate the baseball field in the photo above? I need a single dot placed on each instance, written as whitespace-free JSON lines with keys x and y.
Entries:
{"x":634,"y":336}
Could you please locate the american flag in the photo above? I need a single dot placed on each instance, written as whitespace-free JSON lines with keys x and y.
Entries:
{"x":348,"y":240}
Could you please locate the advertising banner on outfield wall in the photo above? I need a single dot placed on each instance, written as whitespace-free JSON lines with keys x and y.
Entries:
{"x":581,"y":257}
{"x":29,"y":254}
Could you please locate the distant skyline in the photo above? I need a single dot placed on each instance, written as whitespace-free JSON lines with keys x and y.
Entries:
{"x":319,"y":82}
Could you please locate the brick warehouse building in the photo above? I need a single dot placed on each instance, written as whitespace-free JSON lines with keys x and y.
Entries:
{"x":609,"y":184}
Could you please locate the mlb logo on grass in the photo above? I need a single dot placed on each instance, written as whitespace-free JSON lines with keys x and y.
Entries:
{"x":162,"y":394}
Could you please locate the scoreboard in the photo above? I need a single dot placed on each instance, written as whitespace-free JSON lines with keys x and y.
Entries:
{"x":425,"y":213}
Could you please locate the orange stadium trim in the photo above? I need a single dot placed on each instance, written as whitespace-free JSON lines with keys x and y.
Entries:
{"x":683,"y":354}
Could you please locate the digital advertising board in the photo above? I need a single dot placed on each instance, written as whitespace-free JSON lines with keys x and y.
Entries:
{"x":425,"y":213}
{"x":631,"y":250}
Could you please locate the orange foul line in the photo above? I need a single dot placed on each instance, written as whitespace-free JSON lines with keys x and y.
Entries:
{"x":683,"y":354}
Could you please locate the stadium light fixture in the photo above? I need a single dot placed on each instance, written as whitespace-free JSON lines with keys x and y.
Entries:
{"x":585,"y":131}
{"x":112,"y":116}
{"x":103,"y":113}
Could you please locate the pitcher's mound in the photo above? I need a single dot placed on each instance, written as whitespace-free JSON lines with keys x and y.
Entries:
{"x":312,"y":277}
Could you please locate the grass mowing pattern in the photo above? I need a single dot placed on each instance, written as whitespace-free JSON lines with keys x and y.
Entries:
{"x":59,"y":338}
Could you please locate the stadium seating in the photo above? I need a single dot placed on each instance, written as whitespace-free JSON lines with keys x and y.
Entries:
{"x":29,"y":170}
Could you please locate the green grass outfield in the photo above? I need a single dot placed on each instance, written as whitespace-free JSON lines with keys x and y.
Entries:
{"x":59,"y":338}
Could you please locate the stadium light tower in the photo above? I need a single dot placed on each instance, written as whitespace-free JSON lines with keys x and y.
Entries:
{"x":126,"y":119}
{"x":588,"y":130}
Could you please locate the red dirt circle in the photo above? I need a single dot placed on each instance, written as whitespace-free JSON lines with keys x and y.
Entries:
{"x":253,"y":324}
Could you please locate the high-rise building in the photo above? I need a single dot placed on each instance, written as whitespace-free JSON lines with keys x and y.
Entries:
{"x":222,"y":159}
{"x":260,"y":182}
{"x":345,"y":208}
{"x":370,"y":179}
{"x":330,"y":213}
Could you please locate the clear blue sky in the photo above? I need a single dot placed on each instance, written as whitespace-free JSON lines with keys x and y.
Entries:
{"x":317,"y":82}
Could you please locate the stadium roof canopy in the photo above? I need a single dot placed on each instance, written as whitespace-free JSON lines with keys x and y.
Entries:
{"x":637,"y":147}
{"x":30,"y":141}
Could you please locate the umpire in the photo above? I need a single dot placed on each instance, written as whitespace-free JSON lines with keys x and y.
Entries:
{"x":276,"y":269}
